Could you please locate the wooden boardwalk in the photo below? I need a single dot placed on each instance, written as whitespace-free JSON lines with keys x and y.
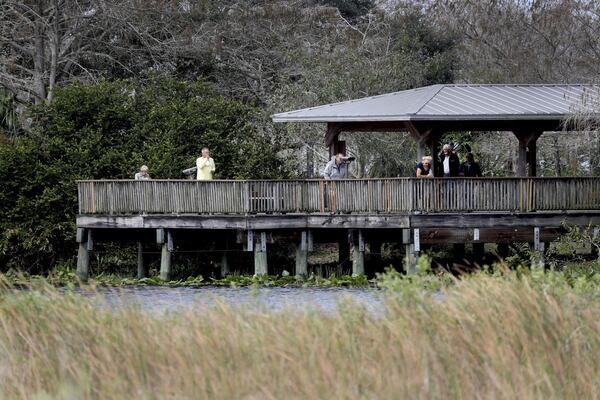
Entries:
{"x":408,"y":210}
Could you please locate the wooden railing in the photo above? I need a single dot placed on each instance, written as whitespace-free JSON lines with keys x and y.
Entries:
{"x":397,"y":195}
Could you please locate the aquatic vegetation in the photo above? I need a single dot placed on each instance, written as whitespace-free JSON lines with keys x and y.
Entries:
{"x":67,"y":277}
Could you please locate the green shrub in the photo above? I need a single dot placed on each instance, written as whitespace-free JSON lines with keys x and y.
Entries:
{"x":106,"y":131}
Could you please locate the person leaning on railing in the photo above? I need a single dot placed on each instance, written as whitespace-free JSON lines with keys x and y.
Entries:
{"x":205,"y":166}
{"x":424,"y":169}
{"x":337,"y":167}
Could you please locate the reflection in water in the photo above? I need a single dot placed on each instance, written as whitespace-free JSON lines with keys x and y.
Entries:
{"x":160,"y":299}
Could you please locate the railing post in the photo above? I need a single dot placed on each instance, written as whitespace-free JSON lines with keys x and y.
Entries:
{"x":333,"y":197}
{"x":247,"y":202}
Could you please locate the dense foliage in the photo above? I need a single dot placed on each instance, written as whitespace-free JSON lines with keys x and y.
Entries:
{"x":108,"y":130}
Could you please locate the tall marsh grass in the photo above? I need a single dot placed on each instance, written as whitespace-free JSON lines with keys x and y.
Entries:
{"x":487,"y":337}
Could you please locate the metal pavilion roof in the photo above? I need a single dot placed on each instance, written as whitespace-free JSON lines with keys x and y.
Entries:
{"x":463,"y":102}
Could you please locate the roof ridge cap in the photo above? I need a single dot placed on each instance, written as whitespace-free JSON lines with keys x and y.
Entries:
{"x":438,"y":89}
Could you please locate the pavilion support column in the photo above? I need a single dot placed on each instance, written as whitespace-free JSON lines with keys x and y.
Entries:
{"x":425,"y":138}
{"x":522,"y":159}
{"x":532,"y":147}
{"x":527,"y":152}
{"x":332,"y":140}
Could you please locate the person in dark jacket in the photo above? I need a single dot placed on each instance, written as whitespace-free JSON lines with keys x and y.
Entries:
{"x":470,"y":167}
{"x":449,"y":162}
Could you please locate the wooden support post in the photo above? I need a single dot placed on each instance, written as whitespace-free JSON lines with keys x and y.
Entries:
{"x":224,"y":265}
{"x":358,"y":253}
{"x":302,"y":255}
{"x":142,"y":271}
{"x":250,"y":240}
{"x":165,"y":262}
{"x":260,"y":255}
{"x":83,"y":255}
{"x":527,"y":153}
{"x":410,"y":258}
{"x":537,"y":258}
{"x":522,"y":159}
{"x":406,"y":237}
{"x":165,"y":252}
{"x":536,"y":238}
{"x":532,"y":152}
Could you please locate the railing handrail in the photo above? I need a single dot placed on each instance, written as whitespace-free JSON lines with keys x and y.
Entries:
{"x":385,"y":195}
{"x":540,"y":178}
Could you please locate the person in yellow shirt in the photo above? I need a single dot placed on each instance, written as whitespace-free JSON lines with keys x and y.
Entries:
{"x":205,"y":165}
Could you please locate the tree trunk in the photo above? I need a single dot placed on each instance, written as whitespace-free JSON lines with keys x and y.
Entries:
{"x":54,"y":49}
{"x":39,"y":55}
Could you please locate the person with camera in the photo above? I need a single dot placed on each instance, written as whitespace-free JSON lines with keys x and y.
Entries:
{"x":337,"y":167}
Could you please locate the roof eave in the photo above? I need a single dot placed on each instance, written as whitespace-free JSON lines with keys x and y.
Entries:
{"x":420,"y":118}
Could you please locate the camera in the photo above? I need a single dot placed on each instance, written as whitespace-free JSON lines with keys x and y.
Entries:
{"x":348,"y":159}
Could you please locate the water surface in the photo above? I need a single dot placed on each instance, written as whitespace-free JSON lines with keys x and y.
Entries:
{"x":161,"y":299}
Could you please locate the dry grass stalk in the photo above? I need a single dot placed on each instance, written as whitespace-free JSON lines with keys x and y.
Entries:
{"x":490,"y":338}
